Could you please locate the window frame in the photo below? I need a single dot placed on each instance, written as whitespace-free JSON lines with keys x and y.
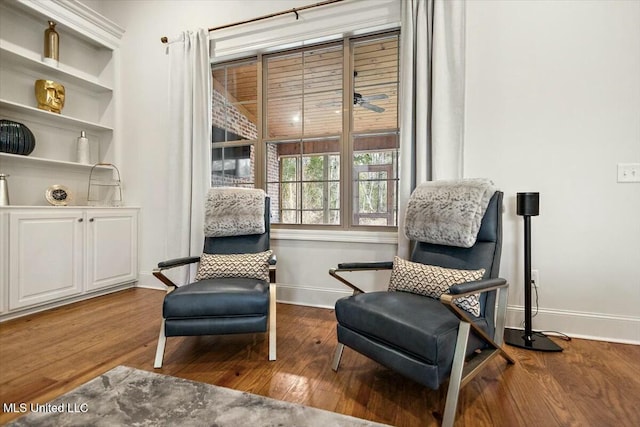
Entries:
{"x":299,"y":183}
{"x":346,"y":136}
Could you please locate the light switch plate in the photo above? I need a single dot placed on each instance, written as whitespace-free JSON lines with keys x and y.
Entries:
{"x":628,"y":172}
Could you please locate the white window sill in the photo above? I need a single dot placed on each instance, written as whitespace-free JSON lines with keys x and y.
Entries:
{"x":379,"y":237}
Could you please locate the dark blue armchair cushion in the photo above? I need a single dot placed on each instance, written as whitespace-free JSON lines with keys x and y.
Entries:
{"x":222,"y":297}
{"x":419,"y":325}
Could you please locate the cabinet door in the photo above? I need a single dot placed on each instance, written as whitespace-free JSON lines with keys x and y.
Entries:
{"x":4,"y":260}
{"x":45,"y":256}
{"x":112,"y":252}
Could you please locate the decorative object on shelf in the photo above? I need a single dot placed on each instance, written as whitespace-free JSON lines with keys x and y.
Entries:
{"x":4,"y":190}
{"x":51,"y":45}
{"x":50,"y":95}
{"x":16,"y":138}
{"x":82,"y":153}
{"x":58,"y":195}
{"x":528,"y":205}
{"x":105,"y":192}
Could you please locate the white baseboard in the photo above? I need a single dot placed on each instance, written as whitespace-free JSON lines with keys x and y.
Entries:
{"x":309,"y":296}
{"x":65,"y":301}
{"x":592,"y":326}
{"x":148,"y":281}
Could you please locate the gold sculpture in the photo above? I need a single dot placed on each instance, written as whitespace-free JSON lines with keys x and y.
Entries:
{"x":50,"y":95}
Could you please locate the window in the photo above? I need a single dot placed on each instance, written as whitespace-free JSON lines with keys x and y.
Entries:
{"x":234,"y":125}
{"x":374,"y":131}
{"x":316,"y":127}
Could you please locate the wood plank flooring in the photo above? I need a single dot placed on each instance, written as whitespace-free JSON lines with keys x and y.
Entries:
{"x":47,"y":354}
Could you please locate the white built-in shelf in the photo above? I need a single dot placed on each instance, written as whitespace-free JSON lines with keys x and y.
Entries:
{"x":75,"y":17}
{"x":54,"y":118}
{"x":44,"y":161}
{"x":25,"y":58}
{"x":89,"y":71}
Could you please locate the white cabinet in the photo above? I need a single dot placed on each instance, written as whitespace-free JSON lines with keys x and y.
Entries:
{"x":4,"y":261}
{"x":112,"y":250}
{"x":52,"y":255}
{"x":88,"y":69}
{"x":45,"y":256}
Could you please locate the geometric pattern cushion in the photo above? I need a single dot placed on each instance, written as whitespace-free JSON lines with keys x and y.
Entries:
{"x":252,"y":266}
{"x":433,"y":281}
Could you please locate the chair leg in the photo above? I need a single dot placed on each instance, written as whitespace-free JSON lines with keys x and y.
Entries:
{"x":456,"y":375}
{"x":162,"y":340}
{"x":272,"y":321}
{"x":337,"y":356}
{"x":501,"y":314}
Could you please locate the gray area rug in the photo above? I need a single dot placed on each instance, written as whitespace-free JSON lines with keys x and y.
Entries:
{"x":130,"y":397}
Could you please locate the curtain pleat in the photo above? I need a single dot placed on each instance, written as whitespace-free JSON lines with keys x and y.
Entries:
{"x":189,"y":166}
{"x":431,"y":98}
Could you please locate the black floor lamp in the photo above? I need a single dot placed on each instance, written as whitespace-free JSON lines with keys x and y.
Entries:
{"x":528,"y":205}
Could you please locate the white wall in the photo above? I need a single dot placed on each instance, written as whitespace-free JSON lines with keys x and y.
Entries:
{"x":303,"y":266}
{"x":553,"y":103}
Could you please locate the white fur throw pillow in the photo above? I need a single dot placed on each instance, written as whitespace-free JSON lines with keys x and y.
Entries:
{"x":252,"y":266}
{"x":448,"y":212}
{"x":231,"y":211}
{"x":433,"y":281}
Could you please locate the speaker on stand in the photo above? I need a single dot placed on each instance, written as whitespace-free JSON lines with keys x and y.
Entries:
{"x":528,"y":205}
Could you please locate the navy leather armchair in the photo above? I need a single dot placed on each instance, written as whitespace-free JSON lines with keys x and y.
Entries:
{"x":426,"y":339}
{"x":216,"y":306}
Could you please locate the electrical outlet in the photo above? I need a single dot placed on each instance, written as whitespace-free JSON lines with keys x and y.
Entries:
{"x":628,"y":172}
{"x":535,"y":278}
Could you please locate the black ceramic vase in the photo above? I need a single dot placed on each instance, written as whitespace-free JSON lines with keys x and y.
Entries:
{"x":16,"y":138}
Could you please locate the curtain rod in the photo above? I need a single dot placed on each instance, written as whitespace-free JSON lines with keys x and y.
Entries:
{"x":272,"y":15}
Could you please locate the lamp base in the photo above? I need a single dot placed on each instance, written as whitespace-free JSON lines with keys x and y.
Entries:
{"x":537,"y":342}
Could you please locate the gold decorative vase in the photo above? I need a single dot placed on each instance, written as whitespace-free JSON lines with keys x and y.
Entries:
{"x":51,"y":45}
{"x":50,"y":95}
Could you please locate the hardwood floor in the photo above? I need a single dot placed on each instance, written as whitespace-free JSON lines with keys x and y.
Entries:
{"x":47,"y":354}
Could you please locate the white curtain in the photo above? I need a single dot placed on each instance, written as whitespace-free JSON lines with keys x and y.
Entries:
{"x":432,"y":54}
{"x":189,"y":166}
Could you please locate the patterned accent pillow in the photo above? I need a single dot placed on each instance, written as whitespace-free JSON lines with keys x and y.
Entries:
{"x":252,"y":266}
{"x":433,"y":281}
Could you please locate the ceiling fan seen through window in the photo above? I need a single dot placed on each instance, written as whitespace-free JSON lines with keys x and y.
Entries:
{"x":361,"y":100}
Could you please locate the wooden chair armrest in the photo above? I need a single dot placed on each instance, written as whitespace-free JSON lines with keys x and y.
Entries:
{"x":476,"y":286}
{"x":177,"y":262}
{"x":172,"y":263}
{"x":357,"y":266}
{"x":449,"y":301}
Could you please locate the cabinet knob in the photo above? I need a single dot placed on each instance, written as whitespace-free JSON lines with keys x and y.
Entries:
{"x":80,"y":219}
{"x":91,"y":220}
